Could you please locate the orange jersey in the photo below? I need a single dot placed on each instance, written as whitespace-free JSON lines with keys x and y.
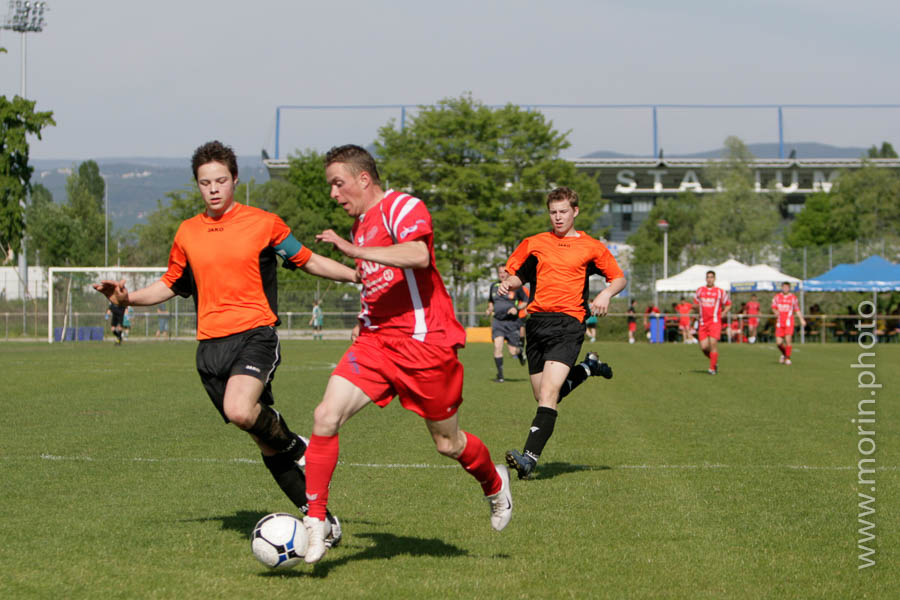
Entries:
{"x":558,"y":269}
{"x":228,"y":264}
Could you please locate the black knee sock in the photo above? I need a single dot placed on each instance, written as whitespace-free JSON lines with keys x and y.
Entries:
{"x":272,"y":431}
{"x":499,"y":363}
{"x":117,"y":333}
{"x":576,"y":377}
{"x":541,"y":430}
{"x":289,"y":478}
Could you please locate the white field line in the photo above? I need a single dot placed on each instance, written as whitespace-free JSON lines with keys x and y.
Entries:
{"x":662,"y":467}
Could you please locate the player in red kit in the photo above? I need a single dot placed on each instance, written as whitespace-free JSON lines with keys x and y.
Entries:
{"x":713,"y":304}
{"x":751,"y":309}
{"x":407,"y":339}
{"x":683,"y":309}
{"x":785,"y":306}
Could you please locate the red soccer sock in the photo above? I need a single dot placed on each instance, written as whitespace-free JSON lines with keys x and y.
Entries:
{"x":476,"y":459}
{"x":787,"y":351}
{"x":713,"y":360}
{"x":321,"y":459}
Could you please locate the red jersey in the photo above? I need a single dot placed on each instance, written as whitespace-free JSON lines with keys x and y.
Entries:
{"x":711,"y":301}
{"x":684,"y":310}
{"x":403,"y":302}
{"x":228,"y":265}
{"x":560,"y":268}
{"x":751,"y":308}
{"x":784,"y":306}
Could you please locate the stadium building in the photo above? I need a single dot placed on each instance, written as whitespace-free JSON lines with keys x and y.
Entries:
{"x":633,"y":185}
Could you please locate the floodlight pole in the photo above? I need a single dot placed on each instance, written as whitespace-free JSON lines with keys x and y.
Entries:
{"x":24,"y":16}
{"x":663,"y":226}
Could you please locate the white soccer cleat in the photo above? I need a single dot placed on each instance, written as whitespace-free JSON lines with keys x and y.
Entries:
{"x":781,"y":359}
{"x":302,"y":462}
{"x":787,"y":361}
{"x":501,"y":502}
{"x":316,"y":530}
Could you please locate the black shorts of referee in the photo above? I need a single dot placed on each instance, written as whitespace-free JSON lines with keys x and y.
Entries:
{"x":552,"y":336}
{"x":256,"y":352}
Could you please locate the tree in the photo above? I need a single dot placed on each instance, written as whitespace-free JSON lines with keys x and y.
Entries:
{"x":682,"y":214}
{"x":85,"y":189}
{"x":17,"y":119}
{"x":886,"y":151}
{"x":149,"y":244}
{"x":484,"y":173}
{"x":736,"y":221}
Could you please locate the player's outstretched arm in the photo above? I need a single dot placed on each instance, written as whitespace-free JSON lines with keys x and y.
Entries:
{"x":322,"y":266}
{"x":155,"y":293}
{"x":408,"y":255}
{"x":600,"y":304}
{"x":510,"y":284}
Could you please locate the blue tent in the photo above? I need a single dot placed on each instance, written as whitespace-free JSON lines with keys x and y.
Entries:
{"x":875,"y":274}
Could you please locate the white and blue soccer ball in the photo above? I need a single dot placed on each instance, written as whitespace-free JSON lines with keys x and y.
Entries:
{"x":279,"y":540}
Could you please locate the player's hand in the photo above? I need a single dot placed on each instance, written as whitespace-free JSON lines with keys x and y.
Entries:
{"x":343,"y":246}
{"x":600,"y":305}
{"x":512,"y":311}
{"x":354,"y":333}
{"x":114,"y":290}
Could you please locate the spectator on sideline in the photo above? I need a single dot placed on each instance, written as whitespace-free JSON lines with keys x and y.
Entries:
{"x":317,"y":320}
{"x":162,"y":325}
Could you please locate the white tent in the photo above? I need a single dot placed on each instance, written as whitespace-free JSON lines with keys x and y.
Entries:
{"x":730,"y":275}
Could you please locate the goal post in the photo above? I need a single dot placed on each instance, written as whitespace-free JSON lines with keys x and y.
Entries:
{"x":73,"y":305}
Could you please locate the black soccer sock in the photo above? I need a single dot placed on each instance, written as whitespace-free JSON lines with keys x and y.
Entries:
{"x":117,"y":333}
{"x":499,"y":363}
{"x":289,"y":478}
{"x":272,"y":431}
{"x":541,"y":430}
{"x":576,"y":377}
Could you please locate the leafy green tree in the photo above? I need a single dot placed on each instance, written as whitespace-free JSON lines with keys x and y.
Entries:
{"x":50,"y":229}
{"x":484,"y":174}
{"x":823,"y":221}
{"x":17,"y":119}
{"x":736,"y":221}
{"x":148,"y":244}
{"x":872,"y":195}
{"x":886,"y":151}
{"x":85,"y":190}
{"x":682,"y":214}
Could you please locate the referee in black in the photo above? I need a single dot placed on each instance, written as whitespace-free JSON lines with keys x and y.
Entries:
{"x":504,"y":309}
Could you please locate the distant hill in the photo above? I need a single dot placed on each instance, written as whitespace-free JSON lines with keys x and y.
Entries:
{"x":804,"y":150}
{"x":135,"y":184}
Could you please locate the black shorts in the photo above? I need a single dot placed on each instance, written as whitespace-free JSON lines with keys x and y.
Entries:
{"x":115,"y":320}
{"x":552,"y":336}
{"x":256,"y":352}
{"x":509,"y":330}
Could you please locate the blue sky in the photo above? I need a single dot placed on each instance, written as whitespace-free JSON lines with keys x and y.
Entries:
{"x":158,"y":78}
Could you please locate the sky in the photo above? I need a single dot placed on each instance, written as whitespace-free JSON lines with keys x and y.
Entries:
{"x":129,"y":79}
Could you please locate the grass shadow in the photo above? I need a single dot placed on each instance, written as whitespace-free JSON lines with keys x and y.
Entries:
{"x":555,"y":469}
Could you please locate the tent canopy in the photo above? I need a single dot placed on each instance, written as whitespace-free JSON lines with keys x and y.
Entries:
{"x":875,"y":274}
{"x":730,"y":275}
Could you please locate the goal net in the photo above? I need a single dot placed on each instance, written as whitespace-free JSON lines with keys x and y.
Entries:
{"x":77,"y":312}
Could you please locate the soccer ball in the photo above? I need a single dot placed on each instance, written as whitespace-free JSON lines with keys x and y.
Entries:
{"x":279,"y":540}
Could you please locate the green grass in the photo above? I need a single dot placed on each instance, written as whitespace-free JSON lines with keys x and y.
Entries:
{"x":119,"y":480}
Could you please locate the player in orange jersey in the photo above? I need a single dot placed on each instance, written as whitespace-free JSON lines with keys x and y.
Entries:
{"x":713,"y":304}
{"x":785,"y":306}
{"x":558,"y":263}
{"x":225,"y":258}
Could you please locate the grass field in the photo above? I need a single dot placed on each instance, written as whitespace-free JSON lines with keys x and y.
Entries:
{"x":119,"y":480}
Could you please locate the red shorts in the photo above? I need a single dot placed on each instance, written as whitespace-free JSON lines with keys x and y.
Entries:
{"x":713,"y":330}
{"x":784,"y":331}
{"x":752,"y":322}
{"x":428,"y":379}
{"x":684,"y":322}
{"x":632,"y":326}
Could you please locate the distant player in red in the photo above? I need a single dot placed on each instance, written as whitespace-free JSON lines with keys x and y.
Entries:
{"x":632,"y":322}
{"x":406,"y":343}
{"x":785,"y":306}
{"x":683,"y":309}
{"x":713,"y":303}
{"x":751,"y":309}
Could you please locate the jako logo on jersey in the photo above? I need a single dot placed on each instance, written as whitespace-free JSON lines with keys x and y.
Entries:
{"x":252,"y":368}
{"x":408,"y":230}
{"x":213,"y":229}
{"x":388,"y":274}
{"x":371,"y":233}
